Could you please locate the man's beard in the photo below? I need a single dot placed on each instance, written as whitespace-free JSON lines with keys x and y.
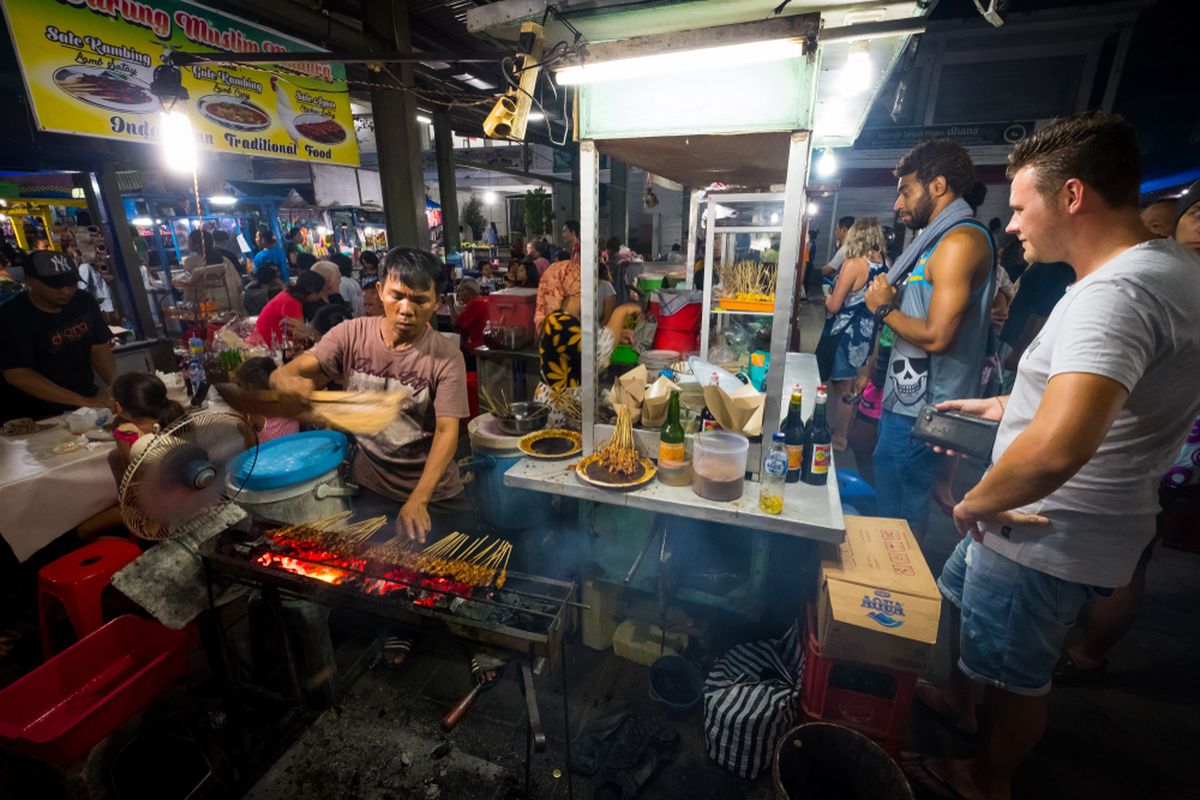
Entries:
{"x":921,"y":214}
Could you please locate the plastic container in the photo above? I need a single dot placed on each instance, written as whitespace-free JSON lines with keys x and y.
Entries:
{"x":656,"y":361}
{"x":680,"y":331}
{"x":676,"y":683}
{"x":869,"y":699}
{"x":513,"y":307}
{"x":644,"y":643}
{"x":62,"y":709}
{"x":295,"y":478}
{"x":719,"y":465}
{"x":501,"y":507}
{"x":675,"y":474}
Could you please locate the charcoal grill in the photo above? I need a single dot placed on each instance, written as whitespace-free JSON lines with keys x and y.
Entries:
{"x":529,"y":616}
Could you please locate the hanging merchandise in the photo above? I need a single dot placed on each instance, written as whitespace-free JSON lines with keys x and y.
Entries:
{"x":750,"y":701}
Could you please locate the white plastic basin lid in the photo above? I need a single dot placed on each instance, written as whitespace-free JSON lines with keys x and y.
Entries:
{"x":722,"y":443}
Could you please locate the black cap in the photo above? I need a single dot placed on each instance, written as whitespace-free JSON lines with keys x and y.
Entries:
{"x":1187,"y":200}
{"x":54,"y":269}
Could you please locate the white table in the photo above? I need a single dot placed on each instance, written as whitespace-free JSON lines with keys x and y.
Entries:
{"x":42,"y":498}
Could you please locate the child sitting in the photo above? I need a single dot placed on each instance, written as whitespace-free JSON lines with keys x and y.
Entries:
{"x":142,"y":407}
{"x":255,"y":375}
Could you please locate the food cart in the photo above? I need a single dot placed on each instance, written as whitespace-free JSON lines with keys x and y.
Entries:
{"x":743,"y":132}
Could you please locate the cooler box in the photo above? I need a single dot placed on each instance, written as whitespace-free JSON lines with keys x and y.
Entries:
{"x":679,"y":331}
{"x":513,"y":307}
{"x":877,"y":602}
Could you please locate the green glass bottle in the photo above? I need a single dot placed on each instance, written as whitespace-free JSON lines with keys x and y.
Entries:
{"x":818,"y":450}
{"x":671,"y":440}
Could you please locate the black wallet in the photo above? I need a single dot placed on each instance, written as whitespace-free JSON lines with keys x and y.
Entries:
{"x":963,"y":433}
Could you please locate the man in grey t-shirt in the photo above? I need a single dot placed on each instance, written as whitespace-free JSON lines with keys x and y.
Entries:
{"x":1103,"y":398}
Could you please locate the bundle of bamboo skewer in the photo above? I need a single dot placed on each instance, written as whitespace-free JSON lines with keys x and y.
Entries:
{"x":747,"y":280}
{"x":501,"y":409}
{"x":330,"y":533}
{"x":620,"y":456}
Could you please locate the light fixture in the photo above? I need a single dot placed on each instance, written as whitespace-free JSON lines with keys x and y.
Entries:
{"x":223,"y":200}
{"x":158,"y":222}
{"x":775,"y":218}
{"x":685,"y":61}
{"x":813,"y":209}
{"x":424,"y":120}
{"x":3,"y":203}
{"x":3,"y":217}
{"x":141,"y":222}
{"x":536,"y":116}
{"x":858,"y":74}
{"x":490,"y":197}
{"x":827,"y":164}
{"x":178,"y":141}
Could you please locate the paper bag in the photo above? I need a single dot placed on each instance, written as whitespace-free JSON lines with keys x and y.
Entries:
{"x":740,"y":411}
{"x":655,"y":401}
{"x":629,"y":390}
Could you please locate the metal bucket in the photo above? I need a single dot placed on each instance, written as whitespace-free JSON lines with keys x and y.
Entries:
{"x":821,"y":760}
{"x":319,"y":497}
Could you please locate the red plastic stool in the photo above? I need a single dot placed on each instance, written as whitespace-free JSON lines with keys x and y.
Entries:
{"x":76,"y":581}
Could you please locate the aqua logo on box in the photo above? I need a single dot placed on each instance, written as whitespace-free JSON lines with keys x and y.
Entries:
{"x":883,"y":609}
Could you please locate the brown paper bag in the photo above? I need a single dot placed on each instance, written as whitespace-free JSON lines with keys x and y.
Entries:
{"x":740,"y":411}
{"x":629,"y":390}
{"x":655,"y":401}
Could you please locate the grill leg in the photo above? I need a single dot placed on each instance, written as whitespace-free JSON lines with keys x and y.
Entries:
{"x":271,"y":597}
{"x":528,"y":753}
{"x":566,"y":713}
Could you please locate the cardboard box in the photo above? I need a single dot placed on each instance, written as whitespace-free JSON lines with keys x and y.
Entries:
{"x":878,"y":603}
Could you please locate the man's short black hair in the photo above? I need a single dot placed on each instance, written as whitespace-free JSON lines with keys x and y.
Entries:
{"x":344,"y":264}
{"x":573,"y":226}
{"x":294,"y":232}
{"x":329,"y":316}
{"x":220,"y":236}
{"x":266,"y":275}
{"x":935,"y":157}
{"x":846,"y":222}
{"x":305,"y":261}
{"x":417,"y":269}
{"x":369,"y":257}
{"x":267,"y":234}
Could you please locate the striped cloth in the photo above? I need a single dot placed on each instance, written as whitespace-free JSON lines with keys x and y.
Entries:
{"x":750,"y":701}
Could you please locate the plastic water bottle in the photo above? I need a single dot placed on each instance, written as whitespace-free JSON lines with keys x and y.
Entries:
{"x":774,"y":475}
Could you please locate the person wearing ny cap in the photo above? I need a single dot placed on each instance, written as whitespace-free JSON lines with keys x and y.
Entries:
{"x":1187,"y":218}
{"x":53,"y":342}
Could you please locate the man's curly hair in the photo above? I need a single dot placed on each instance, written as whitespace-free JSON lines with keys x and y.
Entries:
{"x":936,"y":157}
{"x":1097,"y":148}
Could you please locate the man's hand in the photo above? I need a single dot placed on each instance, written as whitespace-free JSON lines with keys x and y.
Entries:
{"x":292,"y":385}
{"x":413,"y":520}
{"x":966,"y":520}
{"x":985,"y":407}
{"x":879,"y":293}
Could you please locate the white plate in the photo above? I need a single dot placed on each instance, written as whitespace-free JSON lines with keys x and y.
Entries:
{"x":205,"y":103}
{"x":312,"y":119}
{"x":65,"y":76}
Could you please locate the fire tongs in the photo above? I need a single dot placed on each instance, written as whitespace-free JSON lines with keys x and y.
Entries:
{"x":486,"y":669}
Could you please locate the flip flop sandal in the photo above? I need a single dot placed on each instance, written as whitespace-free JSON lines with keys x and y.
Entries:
{"x":941,"y":716}
{"x":1067,"y":673}
{"x":925,"y":788}
{"x":395,"y":651}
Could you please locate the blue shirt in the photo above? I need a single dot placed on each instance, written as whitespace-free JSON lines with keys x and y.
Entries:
{"x":273,"y":255}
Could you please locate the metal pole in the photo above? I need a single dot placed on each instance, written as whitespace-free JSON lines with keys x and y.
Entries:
{"x":794,"y":202}
{"x":589,"y":202}
{"x":104,"y":201}
{"x":396,"y":135}
{"x":443,"y":143}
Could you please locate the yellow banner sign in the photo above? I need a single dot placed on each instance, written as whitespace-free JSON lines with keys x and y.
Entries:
{"x":90,"y":68}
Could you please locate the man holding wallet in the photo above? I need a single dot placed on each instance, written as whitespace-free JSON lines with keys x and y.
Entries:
{"x":1103,"y":398}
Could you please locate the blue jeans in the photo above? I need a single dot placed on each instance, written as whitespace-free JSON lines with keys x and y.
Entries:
{"x":904,"y":472}
{"x":1015,"y":619}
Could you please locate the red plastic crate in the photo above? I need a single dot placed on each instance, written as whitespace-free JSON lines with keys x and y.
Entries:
{"x":872,"y":700}
{"x":62,"y":709}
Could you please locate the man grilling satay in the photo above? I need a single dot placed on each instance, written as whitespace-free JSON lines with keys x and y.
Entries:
{"x":406,"y":471}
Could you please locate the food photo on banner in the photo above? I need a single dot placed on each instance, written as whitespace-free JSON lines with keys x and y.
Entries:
{"x":107,"y":69}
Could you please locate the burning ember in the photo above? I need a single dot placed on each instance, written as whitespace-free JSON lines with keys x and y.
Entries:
{"x":335,"y":569}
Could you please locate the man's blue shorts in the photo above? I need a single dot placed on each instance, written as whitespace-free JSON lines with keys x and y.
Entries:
{"x":1014,"y":618}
